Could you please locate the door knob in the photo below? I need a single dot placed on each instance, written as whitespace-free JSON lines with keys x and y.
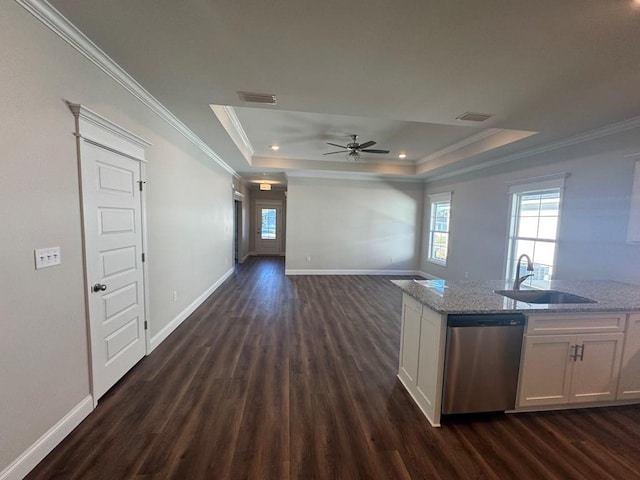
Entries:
{"x":99,"y":287}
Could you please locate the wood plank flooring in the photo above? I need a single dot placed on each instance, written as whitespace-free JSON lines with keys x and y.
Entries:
{"x":278,"y":377}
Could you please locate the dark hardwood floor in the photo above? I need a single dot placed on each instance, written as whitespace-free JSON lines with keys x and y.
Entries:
{"x":278,"y":377}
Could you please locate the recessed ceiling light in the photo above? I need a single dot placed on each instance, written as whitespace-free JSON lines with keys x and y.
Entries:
{"x":402,"y":155}
{"x":274,"y":147}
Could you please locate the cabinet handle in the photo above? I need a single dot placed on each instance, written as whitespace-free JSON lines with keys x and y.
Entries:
{"x":574,"y":352}
{"x":581,"y":351}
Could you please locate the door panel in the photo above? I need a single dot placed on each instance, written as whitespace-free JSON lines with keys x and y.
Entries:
{"x":269,"y":228}
{"x":410,"y":340}
{"x":113,"y":248}
{"x":118,"y":261}
{"x":596,"y":371}
{"x":629,"y":387}
{"x":546,"y":371}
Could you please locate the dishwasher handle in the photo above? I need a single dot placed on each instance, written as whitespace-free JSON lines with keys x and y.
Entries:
{"x":485,"y":320}
{"x":487,"y":323}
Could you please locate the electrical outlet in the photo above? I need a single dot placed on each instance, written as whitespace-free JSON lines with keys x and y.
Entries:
{"x":466,"y":274}
{"x":175,"y":296}
{"x":47,"y":257}
{"x":308,"y":259}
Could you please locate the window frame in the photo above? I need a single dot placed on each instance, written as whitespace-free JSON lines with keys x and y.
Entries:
{"x":435,"y":199}
{"x":633,"y":226}
{"x":516,"y":190}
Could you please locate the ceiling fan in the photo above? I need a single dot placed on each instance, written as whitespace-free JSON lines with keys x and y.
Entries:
{"x":354,"y":148}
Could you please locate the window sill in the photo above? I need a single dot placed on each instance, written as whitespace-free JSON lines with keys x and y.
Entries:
{"x":440,"y":263}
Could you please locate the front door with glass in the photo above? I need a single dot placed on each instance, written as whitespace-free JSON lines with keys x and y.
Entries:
{"x":269,"y":228}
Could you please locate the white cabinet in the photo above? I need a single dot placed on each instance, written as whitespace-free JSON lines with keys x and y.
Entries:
{"x":430,"y":361}
{"x":571,"y":368}
{"x":629,"y":387}
{"x":597,"y":367}
{"x":410,"y":340}
{"x":545,"y":376}
{"x":422,"y":356}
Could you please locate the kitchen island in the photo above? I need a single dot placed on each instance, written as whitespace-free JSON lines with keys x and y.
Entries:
{"x":573,"y":355}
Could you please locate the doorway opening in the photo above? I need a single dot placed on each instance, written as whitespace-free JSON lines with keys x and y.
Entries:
{"x":237,"y":230}
{"x":269,"y":223}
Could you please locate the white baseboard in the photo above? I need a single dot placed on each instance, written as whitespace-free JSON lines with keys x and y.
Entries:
{"x":244,"y":259}
{"x":26,"y":462}
{"x":294,"y":271}
{"x":159,"y":337}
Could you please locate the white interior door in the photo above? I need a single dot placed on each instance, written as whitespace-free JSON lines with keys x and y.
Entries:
{"x":269,"y":228}
{"x":112,"y":221}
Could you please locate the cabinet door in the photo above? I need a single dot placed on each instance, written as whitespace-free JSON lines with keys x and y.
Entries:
{"x":409,"y":340}
{"x":431,"y":362}
{"x":595,"y":374}
{"x":546,"y":369}
{"x":629,"y":387}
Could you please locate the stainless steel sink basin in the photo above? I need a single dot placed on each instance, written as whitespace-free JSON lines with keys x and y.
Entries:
{"x":544,"y":296}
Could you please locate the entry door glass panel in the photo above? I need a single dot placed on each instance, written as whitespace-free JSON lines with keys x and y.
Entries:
{"x":269,"y":222}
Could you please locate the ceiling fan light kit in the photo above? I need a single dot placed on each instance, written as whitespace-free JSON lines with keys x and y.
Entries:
{"x":354,"y":149}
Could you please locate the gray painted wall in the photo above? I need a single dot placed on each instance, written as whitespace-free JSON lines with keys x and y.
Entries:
{"x":594,"y":216}
{"x":353,"y":225}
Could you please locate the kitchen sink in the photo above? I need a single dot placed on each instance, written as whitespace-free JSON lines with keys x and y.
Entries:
{"x":544,"y":296}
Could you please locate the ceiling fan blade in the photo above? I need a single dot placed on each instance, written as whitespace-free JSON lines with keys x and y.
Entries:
{"x":336,"y":145}
{"x":368,"y":144}
{"x":331,"y":153}
{"x":368,"y":150}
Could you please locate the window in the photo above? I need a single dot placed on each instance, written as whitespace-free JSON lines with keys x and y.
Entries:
{"x":535,"y":218}
{"x":633,"y":231}
{"x":268,"y":227}
{"x":439,"y":228}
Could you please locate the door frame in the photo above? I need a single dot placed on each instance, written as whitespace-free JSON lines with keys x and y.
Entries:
{"x":259,"y":203}
{"x":238,"y":221}
{"x":92,"y":128}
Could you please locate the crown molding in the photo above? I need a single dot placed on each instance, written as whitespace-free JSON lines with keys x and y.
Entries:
{"x":461,"y":144}
{"x":594,"y":134}
{"x":231,"y":123}
{"x":57,"y":23}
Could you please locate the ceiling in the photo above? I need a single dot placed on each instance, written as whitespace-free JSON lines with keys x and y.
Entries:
{"x":398,"y":73}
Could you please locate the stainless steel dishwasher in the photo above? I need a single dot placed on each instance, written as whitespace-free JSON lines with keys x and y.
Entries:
{"x":482,"y":359}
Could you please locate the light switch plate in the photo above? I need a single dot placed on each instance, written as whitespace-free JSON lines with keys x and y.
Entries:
{"x":47,"y":257}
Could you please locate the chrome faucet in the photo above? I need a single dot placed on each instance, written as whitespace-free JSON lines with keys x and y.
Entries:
{"x":518,"y":281}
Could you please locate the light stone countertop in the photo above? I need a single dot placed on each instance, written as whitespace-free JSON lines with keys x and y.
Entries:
{"x":446,"y":296}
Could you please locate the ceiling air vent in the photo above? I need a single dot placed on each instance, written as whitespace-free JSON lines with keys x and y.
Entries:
{"x":474,"y":117}
{"x":267,"y":98}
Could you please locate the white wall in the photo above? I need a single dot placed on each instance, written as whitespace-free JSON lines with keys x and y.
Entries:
{"x":44,"y":371}
{"x":353,"y":225}
{"x":594,"y":216}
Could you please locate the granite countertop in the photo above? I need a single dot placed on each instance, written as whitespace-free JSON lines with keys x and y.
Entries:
{"x":446,"y":296}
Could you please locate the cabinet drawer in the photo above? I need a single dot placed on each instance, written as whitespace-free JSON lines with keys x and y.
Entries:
{"x":560,"y":323}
